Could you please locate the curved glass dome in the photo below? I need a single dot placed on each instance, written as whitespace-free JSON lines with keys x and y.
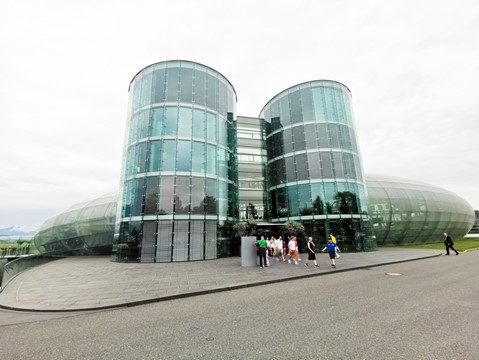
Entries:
{"x":85,"y":228}
{"x":407,"y":211}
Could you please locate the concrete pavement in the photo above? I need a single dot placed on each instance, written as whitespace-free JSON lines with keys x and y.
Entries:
{"x":91,"y":283}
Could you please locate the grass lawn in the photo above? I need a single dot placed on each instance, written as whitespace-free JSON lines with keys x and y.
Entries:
{"x":459,"y":245}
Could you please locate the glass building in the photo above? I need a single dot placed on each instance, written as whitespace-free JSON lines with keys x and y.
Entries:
{"x":313,"y":163}
{"x":406,"y":211}
{"x":251,"y":165}
{"x":179,"y":188}
{"x":192,"y":168}
{"x":85,"y":228}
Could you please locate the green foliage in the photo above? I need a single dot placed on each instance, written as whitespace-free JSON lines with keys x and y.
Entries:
{"x":247,"y":228}
{"x":293,"y":228}
{"x":239,"y":229}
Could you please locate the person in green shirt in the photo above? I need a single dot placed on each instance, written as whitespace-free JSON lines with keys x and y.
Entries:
{"x":262,"y":251}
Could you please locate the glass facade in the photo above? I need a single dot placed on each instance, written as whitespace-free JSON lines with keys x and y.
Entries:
{"x":85,"y":228}
{"x":191,"y":169}
{"x":251,"y":164}
{"x":313,"y":163}
{"x":406,"y":211}
{"x":179,"y":188}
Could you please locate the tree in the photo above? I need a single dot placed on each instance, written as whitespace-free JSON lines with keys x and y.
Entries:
{"x":293,"y":228}
{"x":247,"y":228}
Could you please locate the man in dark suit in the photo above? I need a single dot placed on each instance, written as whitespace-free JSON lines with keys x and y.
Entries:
{"x":449,"y":244}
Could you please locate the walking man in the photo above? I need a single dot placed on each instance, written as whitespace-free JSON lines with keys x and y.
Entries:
{"x":331,"y":247}
{"x":449,"y":244}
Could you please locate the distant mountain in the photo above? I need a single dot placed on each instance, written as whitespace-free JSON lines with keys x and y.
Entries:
{"x":15,"y":231}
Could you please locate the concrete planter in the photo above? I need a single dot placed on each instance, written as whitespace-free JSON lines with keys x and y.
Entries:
{"x":248,"y":251}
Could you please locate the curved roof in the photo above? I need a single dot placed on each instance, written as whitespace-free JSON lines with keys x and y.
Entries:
{"x":180,"y":60}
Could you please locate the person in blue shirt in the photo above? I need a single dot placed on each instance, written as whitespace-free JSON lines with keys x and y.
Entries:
{"x":331,"y":247}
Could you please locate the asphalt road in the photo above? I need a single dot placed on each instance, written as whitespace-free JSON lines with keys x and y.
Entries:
{"x":430,"y":311}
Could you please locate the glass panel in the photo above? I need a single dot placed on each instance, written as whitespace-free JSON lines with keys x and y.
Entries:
{"x":168,"y":156}
{"x":326,"y":165}
{"x":182,"y":195}
{"x":148,"y":246}
{"x":293,"y":200}
{"x":185,"y":118}
{"x":291,"y":171}
{"x":210,"y":240}
{"x":329,"y":198}
{"x":180,"y":241}
{"x":211,"y":160}
{"x":154,"y":156}
{"x":197,"y":238}
{"x":305,"y":204}
{"x":338,"y":165}
{"x":211,"y":196}
{"x":164,"y":242}
{"x":317,"y":195}
{"x":173,"y":82}
{"x":186,"y":85}
{"x":298,"y":138}
{"x":199,"y":88}
{"x":334,"y":136}
{"x":152,"y":194}
{"x":159,"y":93}
{"x":199,"y":123}
{"x":323,"y":136}
{"x":211,"y":126}
{"x":183,"y":156}
{"x":157,"y":115}
{"x":287,"y":141}
{"x":199,"y":157}
{"x":171,"y":121}
{"x":307,"y":104}
{"x":319,"y":104}
{"x":301,"y":167}
{"x":284,"y":111}
{"x":314,"y":165}
{"x":197,"y":195}
{"x":166,"y":195}
{"x":295,"y":107}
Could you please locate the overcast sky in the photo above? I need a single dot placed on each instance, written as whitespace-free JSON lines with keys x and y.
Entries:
{"x":65,"y":67}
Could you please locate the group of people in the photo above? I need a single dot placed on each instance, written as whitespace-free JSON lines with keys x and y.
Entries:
{"x":279,"y":248}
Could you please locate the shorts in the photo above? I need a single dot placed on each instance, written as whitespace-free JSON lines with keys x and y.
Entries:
{"x":279,"y":251}
{"x":332,"y":255}
{"x":293,"y":252}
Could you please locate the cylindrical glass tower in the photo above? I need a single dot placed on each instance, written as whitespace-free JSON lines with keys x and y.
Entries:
{"x":314,"y":167}
{"x":178,"y":190}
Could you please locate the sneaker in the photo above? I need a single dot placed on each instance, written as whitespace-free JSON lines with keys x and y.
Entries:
{"x":295,"y":263}
{"x":337,"y":255}
{"x":305,"y":264}
{"x":289,"y":261}
{"x":316,"y":265}
{"x":277,"y":259}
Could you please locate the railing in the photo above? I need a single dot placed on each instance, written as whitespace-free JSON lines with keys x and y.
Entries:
{"x":8,"y":270}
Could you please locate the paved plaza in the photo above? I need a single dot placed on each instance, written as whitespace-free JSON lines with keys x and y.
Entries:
{"x":87,"y":283}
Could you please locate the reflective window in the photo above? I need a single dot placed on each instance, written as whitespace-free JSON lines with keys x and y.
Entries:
{"x":198,"y":159}
{"x":157,"y":115}
{"x":299,"y":138}
{"x":183,"y":156}
{"x":186,"y":85}
{"x":185,"y":119}
{"x":168,"y":155}
{"x":199,"y":129}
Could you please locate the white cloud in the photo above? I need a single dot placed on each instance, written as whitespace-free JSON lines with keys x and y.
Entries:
{"x":412,"y":67}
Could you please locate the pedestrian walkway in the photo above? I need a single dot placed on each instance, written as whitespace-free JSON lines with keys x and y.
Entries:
{"x":87,"y":283}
